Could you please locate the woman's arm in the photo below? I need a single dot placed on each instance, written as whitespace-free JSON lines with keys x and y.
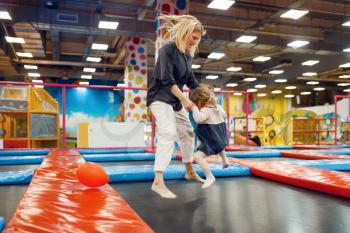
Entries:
{"x":183,"y":99}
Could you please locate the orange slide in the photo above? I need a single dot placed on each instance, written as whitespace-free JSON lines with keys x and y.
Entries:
{"x":55,"y":201}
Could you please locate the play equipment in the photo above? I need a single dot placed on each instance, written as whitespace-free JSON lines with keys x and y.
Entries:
{"x":256,"y":127}
{"x":92,"y":175}
{"x":29,"y":117}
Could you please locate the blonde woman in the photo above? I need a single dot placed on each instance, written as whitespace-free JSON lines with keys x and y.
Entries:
{"x":165,"y":96}
{"x":211,"y":130}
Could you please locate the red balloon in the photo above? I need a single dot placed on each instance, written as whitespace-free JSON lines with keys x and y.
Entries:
{"x":92,"y":174}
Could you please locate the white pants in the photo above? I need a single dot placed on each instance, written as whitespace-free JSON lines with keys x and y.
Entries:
{"x":171,"y":126}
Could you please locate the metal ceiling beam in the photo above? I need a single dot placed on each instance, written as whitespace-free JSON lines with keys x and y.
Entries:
{"x":56,"y":47}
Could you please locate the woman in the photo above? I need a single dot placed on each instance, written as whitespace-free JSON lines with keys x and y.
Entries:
{"x":165,"y":96}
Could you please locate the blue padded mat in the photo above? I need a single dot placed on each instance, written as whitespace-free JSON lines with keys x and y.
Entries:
{"x":2,"y":224}
{"x":16,"y":160}
{"x":16,"y":177}
{"x":23,"y":152}
{"x":121,"y":157}
{"x":109,"y":151}
{"x":332,"y":164}
{"x":280,"y":147}
{"x":145,"y":172}
{"x":334,"y":152}
{"x":254,"y":154}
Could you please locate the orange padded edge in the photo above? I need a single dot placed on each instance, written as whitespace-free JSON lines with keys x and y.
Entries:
{"x":311,"y":156}
{"x":55,"y":201}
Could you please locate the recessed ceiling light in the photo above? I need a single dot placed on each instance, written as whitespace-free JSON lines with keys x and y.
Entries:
{"x":347,"y":50}
{"x":91,"y":70}
{"x":217,"y":89}
{"x":347,"y":24}
{"x":34,"y":75}
{"x":343,"y":84}
{"x":86,"y":76}
{"x":309,"y":74}
{"x":289,"y":96}
{"x":294,"y":14}
{"x":312,"y":83}
{"x":319,"y":89}
{"x":291,"y":87}
{"x":344,"y":76}
{"x":5,"y":15}
{"x":212,"y":76}
{"x":261,"y":59}
{"x":298,"y":43}
{"x":83,"y":83}
{"x":237,"y":93}
{"x":231,"y":85}
{"x":276,"y":72}
{"x":252,"y":90}
{"x":38,"y":86}
{"x":216,"y":56}
{"x":346,"y":65}
{"x":249,"y":79}
{"x":259,"y":86}
{"x":346,"y":90}
{"x":15,"y":40}
{"x":108,"y":25}
{"x":30,"y":67}
{"x":246,"y":39}
{"x":281,"y":80}
{"x":234,"y":68}
{"x":94,"y":59}
{"x":261,"y":94}
{"x":97,"y":46}
{"x":310,"y":62}
{"x":37,"y":81}
{"x":21,"y":54}
{"x":221,"y":4}
{"x":194,"y":66}
{"x":276,"y":91}
{"x":305,"y":93}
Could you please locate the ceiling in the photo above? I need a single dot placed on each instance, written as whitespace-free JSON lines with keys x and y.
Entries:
{"x":59,"y":33}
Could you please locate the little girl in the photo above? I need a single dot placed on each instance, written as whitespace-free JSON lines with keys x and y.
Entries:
{"x":211,"y":130}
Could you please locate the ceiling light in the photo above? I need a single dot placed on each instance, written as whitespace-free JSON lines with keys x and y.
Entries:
{"x":346,"y":24}
{"x":310,"y":62}
{"x":344,"y":76}
{"x":281,"y":80}
{"x":38,"y":86}
{"x":194,"y":66}
{"x":221,"y":4}
{"x":343,"y":84}
{"x":305,"y":93}
{"x":261,"y":59}
{"x":291,"y":87}
{"x":234,"y":68}
{"x":30,"y":67}
{"x":276,"y":91}
{"x":259,"y":86}
{"x":96,"y":46}
{"x":346,"y":65}
{"x":94,"y":59}
{"x":237,"y":93}
{"x":108,"y":25}
{"x":246,"y":39}
{"x":5,"y":15}
{"x":83,"y":83}
{"x":346,"y":90}
{"x":249,"y":79}
{"x":298,"y":43}
{"x":231,"y":85}
{"x":86,"y":76}
{"x":121,"y":85}
{"x":319,"y":89}
{"x":294,"y":14}
{"x":312,"y":83}
{"x":261,"y":94}
{"x":347,"y":50}
{"x":34,"y":75}
{"x":217,"y":89}
{"x":20,"y":54}
{"x":216,"y":56}
{"x":37,"y":81}
{"x":276,"y":72}
{"x":252,"y":90}
{"x":309,"y":74}
{"x":15,"y":40}
{"x":212,"y":76}
{"x":289,"y":96}
{"x":91,"y":70}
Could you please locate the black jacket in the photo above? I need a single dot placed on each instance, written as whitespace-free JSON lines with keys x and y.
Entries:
{"x":172,"y":67}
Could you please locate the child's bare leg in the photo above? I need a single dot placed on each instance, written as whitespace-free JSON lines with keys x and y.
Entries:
{"x":198,"y":157}
{"x":223,"y":156}
{"x":191,"y":173}
{"x":159,"y":187}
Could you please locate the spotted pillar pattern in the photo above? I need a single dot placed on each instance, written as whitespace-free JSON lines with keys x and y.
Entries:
{"x":136,"y":76}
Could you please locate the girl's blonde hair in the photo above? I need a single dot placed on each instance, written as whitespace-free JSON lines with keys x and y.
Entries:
{"x":203,"y":96}
{"x":179,"y":28}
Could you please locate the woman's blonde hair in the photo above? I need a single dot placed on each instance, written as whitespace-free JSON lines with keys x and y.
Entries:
{"x":179,"y":27}
{"x":202,"y":96}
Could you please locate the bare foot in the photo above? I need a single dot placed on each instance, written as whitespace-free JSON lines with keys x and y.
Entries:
{"x":208,"y":182}
{"x":225,"y":165}
{"x":163,"y":191}
{"x":193,"y":176}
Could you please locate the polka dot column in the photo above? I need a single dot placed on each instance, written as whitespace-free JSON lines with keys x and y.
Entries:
{"x":168,"y":7}
{"x":136,"y":76}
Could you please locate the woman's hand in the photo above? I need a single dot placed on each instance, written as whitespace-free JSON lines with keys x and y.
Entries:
{"x":188,"y":104}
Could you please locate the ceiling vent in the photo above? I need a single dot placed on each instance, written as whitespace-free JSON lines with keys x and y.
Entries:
{"x":67,"y":18}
